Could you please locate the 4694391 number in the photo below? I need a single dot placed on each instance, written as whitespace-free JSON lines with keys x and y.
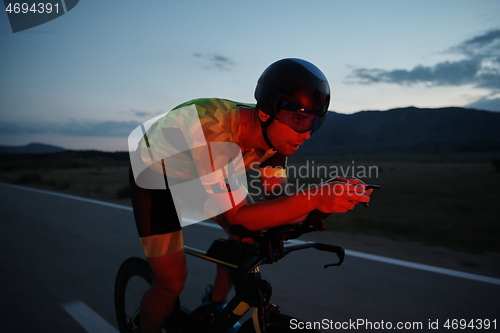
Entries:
{"x":478,"y":324}
{"x":35,"y":8}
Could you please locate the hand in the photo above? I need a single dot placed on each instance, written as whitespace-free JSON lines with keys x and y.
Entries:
{"x":340,"y":195}
{"x":353,"y":181}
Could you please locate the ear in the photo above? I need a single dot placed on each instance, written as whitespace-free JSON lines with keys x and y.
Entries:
{"x":263,"y":116}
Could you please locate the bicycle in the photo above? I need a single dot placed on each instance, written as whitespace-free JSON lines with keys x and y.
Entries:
{"x":251,"y":291}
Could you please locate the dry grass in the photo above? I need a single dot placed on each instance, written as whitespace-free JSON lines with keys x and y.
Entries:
{"x":447,"y":202}
{"x":104,"y":179}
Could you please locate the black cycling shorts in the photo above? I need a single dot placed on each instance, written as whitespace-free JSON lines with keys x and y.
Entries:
{"x":154,"y":210}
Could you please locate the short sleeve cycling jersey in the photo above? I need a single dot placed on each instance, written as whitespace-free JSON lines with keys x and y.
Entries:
{"x":181,"y":133}
{"x":200,"y":141}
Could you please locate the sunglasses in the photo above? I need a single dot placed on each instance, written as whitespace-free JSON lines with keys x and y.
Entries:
{"x":298,"y":117}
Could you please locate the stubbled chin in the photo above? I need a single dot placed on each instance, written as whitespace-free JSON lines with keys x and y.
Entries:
{"x":287,"y":150}
{"x":286,"y":153}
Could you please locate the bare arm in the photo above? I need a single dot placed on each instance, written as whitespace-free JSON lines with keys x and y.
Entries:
{"x":268,"y":214}
{"x":329,"y":198}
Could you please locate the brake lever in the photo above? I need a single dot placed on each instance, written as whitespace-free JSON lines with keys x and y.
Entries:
{"x":341,"y":260}
{"x":338,"y":250}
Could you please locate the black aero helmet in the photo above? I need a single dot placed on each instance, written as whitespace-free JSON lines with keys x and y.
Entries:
{"x":294,"y":85}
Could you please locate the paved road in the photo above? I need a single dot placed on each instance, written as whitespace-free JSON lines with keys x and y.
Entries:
{"x":57,"y":251}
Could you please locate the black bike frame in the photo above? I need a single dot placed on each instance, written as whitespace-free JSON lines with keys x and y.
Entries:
{"x":251,"y":291}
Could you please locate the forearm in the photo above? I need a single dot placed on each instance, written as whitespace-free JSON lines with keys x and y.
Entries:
{"x":273,"y":213}
{"x":334,"y":197}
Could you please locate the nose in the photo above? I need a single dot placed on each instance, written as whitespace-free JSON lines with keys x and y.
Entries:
{"x":306,"y":135}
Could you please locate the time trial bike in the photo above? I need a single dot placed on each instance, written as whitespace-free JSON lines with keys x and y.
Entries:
{"x":251,"y":291}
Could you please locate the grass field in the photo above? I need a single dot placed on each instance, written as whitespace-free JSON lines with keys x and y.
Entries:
{"x":441,"y":200}
{"x":444,"y":202}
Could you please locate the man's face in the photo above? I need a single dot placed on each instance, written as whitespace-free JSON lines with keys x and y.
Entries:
{"x":283,"y":131}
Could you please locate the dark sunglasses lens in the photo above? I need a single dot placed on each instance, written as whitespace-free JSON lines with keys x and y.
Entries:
{"x":301,"y":127}
{"x":316,"y":124}
{"x":291,"y":106}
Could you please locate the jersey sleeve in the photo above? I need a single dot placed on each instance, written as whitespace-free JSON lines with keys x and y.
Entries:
{"x":219,"y":161}
{"x":219,"y":164}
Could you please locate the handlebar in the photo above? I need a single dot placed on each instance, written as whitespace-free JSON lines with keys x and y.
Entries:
{"x":272,"y":244}
{"x":269,"y":245}
{"x":332,"y":248}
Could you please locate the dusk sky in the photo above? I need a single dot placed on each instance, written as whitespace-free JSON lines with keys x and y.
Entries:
{"x":86,"y":79}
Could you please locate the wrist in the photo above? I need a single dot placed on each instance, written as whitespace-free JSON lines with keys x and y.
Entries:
{"x":310,"y":199}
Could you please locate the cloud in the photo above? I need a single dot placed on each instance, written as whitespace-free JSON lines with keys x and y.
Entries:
{"x":485,"y":44}
{"x":214,"y":61}
{"x":73,"y":128}
{"x":144,"y":114}
{"x":481,"y":67}
{"x":486,"y":104}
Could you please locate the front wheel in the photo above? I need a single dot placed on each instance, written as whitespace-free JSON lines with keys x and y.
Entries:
{"x":278,"y":323}
{"x":133,"y":279}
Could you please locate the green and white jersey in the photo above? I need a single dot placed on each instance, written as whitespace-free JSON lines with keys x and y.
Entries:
{"x":198,"y":141}
{"x":193,"y":126}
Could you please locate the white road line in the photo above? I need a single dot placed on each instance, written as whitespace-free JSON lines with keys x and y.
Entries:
{"x":88,"y":318}
{"x":362,"y":255}
{"x":423,"y":267}
{"x":103,"y":203}
{"x":68,"y":196}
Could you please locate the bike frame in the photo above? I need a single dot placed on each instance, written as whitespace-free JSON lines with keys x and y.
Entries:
{"x":244,"y":259}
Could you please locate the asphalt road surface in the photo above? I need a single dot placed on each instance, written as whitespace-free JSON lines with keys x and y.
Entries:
{"x":60,"y":256}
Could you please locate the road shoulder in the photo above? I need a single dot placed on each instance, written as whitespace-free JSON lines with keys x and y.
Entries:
{"x":482,"y":264}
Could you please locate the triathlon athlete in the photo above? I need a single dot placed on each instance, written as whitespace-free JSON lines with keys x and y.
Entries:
{"x":200,"y":151}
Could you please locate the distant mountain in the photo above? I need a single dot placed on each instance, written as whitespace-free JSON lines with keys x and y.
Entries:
{"x":402,"y":131}
{"x":405,"y":131}
{"x":32,"y":148}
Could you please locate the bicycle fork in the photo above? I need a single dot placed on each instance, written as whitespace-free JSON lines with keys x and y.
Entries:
{"x":250,"y":292}
{"x":256,"y":294}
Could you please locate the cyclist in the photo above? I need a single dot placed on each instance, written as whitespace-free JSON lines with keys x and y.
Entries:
{"x":194,"y":144}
